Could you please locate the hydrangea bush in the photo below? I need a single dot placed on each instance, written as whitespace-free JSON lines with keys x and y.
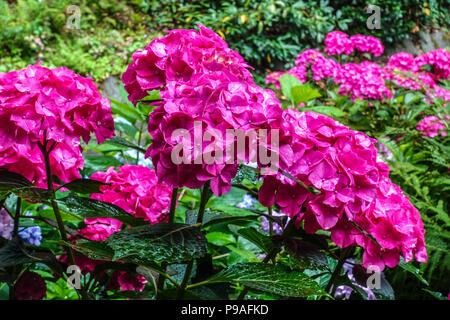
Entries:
{"x":170,"y":229}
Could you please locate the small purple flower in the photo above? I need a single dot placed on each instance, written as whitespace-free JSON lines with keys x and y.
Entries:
{"x":31,"y":235}
{"x":344,"y":292}
{"x":247,"y":202}
{"x":6,"y":224}
{"x":277,"y":229}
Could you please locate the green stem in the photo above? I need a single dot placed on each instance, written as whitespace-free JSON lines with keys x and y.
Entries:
{"x":15,"y":234}
{"x":270,"y":222}
{"x":270,"y":256}
{"x":17,"y":217}
{"x":173,"y":205}
{"x":344,"y":254}
{"x":206,"y":194}
{"x":187,"y":274}
{"x":161,"y":278}
{"x":139,"y":142}
{"x":59,"y":220}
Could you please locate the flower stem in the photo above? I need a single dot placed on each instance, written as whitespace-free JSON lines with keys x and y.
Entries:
{"x":344,"y":254}
{"x":173,"y":205}
{"x":56,"y":211}
{"x":161,"y":279}
{"x":206,"y":194}
{"x":270,"y":222}
{"x":270,"y":256}
{"x":17,"y":217}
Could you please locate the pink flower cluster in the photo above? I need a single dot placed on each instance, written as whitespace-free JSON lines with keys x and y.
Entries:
{"x":357,"y":202}
{"x":408,"y":72}
{"x":202,"y":81}
{"x":432,"y":126}
{"x":362,"y":81}
{"x":367,"y":80}
{"x":179,"y":56}
{"x":134,"y":189}
{"x":338,"y":42}
{"x":57,"y":105}
{"x":321,"y":68}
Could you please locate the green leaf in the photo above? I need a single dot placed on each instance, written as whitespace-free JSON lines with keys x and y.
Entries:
{"x":287,"y":82}
{"x":122,"y":142}
{"x":91,"y":208}
{"x":85,"y":186}
{"x":126,"y":111}
{"x":11,"y":182}
{"x":328,"y":111}
{"x":262,"y":241}
{"x":13,"y":253}
{"x":303,"y":93}
{"x":125,"y":126}
{"x":411,"y":98}
{"x":436,"y":295}
{"x":413,"y":270}
{"x":305,"y":254}
{"x":269,"y":278}
{"x":94,"y":164}
{"x":172,"y":243}
{"x":152,"y":96}
{"x":215,"y":217}
{"x":97,"y":250}
{"x":220,"y":239}
{"x":245,"y":173}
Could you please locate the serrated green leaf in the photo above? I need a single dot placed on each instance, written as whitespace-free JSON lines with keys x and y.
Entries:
{"x":126,"y":111}
{"x":306,"y":254}
{"x":86,"y":186}
{"x":97,"y":250}
{"x":91,"y":208}
{"x":303,"y":93}
{"x":11,"y":182}
{"x":173,"y":243}
{"x":269,"y":278}
{"x":287,"y":82}
{"x":122,"y":142}
{"x":413,"y":270}
{"x":260,"y":240}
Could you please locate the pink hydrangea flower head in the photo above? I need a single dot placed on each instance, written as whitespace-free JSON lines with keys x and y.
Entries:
{"x":134,"y":189}
{"x":177,"y":57}
{"x":432,"y":126}
{"x":356,"y":196}
{"x":369,"y":44}
{"x":57,"y":105}
{"x":439,"y":60}
{"x":337,"y":43}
